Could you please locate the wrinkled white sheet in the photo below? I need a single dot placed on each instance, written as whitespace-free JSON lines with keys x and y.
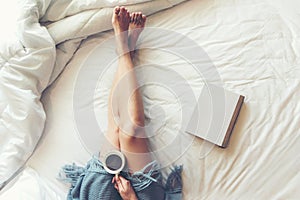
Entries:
{"x":255,"y":46}
{"x":29,"y":62}
{"x":29,"y":185}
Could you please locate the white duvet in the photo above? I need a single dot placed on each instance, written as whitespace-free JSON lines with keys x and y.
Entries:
{"x":26,"y":66}
{"x":33,"y":55}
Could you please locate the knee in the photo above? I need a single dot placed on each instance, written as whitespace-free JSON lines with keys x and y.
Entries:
{"x":128,"y":139}
{"x":132,"y":127}
{"x":131,"y":131}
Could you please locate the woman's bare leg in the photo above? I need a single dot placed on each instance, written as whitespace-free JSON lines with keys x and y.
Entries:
{"x":126,"y":111}
{"x":136,"y":25}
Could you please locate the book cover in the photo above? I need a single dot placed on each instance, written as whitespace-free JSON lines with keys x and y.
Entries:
{"x":215,"y":115}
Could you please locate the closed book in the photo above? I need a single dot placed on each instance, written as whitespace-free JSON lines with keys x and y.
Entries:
{"x":215,"y":115}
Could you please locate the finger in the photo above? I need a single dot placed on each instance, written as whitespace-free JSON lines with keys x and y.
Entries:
{"x":117,"y":177}
{"x":125,"y":183}
{"x":116,"y":186}
{"x":114,"y":179}
{"x":123,"y":179}
{"x":120,"y":184}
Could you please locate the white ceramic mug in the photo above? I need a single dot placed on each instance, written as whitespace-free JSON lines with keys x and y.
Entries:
{"x":114,"y":162}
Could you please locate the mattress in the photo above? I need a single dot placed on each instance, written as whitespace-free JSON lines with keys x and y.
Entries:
{"x":247,"y":47}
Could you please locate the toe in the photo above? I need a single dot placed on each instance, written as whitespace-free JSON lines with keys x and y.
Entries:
{"x":115,"y":14}
{"x":136,"y":20}
{"x":144,"y":19}
{"x":139,"y":18}
{"x":117,"y":10}
{"x":133,"y":18}
{"x":123,"y":11}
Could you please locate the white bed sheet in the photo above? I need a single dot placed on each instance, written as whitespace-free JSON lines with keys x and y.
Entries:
{"x":255,"y":46}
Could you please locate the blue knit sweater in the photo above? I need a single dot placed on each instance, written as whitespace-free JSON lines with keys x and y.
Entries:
{"x":94,"y":183}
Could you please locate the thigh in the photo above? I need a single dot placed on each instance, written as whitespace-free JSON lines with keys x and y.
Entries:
{"x":135,"y":149}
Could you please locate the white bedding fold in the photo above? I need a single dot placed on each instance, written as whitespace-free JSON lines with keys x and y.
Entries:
{"x":94,"y":20}
{"x":58,"y":10}
{"x":26,"y":66}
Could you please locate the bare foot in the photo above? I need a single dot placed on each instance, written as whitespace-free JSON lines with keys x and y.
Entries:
{"x":136,"y":26}
{"x":120,"y":22}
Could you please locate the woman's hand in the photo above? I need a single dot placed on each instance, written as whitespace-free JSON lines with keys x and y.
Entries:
{"x":124,"y":188}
